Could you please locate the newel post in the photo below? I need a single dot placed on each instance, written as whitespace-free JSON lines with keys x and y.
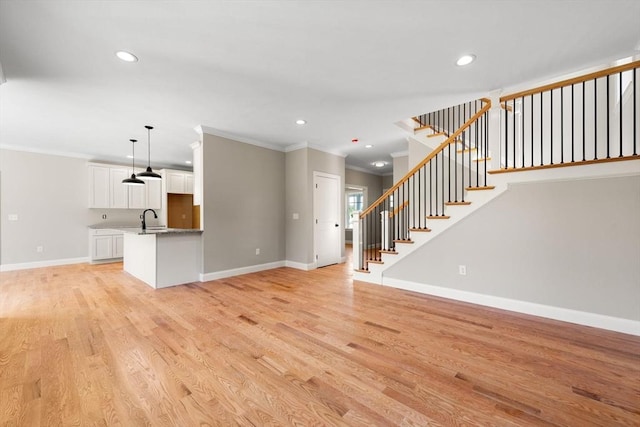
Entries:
{"x":494,"y":130}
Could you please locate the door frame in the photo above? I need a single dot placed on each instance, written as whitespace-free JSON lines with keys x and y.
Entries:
{"x":317,"y":174}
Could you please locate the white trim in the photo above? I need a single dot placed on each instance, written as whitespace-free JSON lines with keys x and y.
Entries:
{"x":340,"y":201}
{"x":45,"y":151}
{"x":205,"y":277}
{"x":200,"y":129}
{"x":300,"y":265}
{"x":305,"y":144}
{"x":41,"y":264}
{"x":557,"y":313}
{"x":404,"y":153}
{"x":365,"y":170}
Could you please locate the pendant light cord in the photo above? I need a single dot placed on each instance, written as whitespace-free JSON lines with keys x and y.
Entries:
{"x":149,"y":144}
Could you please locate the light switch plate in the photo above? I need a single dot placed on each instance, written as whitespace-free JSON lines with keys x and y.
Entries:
{"x":13,"y":217}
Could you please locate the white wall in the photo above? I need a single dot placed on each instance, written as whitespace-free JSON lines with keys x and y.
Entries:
{"x":50,"y":195}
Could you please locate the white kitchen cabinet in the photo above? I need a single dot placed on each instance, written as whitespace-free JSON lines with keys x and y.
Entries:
{"x":105,"y":244}
{"x":188,"y":183}
{"x":154,"y":194}
{"x":137,"y":197}
{"x":106,"y":189}
{"x":179,"y":182}
{"x":99,"y":187}
{"x":119,"y":192}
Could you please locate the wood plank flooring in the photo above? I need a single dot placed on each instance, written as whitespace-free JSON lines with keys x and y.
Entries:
{"x":90,"y":345}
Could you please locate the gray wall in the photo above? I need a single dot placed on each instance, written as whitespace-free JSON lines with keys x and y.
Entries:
{"x":400,"y":167}
{"x":570,"y":244}
{"x":298,"y":200}
{"x":300,"y":165}
{"x":387,"y":182}
{"x":243,"y":204}
{"x":50,"y":195}
{"x":369,"y":180}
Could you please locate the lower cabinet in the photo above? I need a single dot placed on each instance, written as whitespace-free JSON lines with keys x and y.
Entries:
{"x":105,"y":245}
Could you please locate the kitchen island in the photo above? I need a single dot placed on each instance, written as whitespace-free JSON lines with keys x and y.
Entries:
{"x":163,"y":257}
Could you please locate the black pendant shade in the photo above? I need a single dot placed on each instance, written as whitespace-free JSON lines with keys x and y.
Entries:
{"x":149,"y":174}
{"x":133,"y":180}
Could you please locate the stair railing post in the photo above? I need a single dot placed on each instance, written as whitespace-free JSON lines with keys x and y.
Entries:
{"x":494,"y":131}
{"x":356,"y":241}
{"x":384,"y":225}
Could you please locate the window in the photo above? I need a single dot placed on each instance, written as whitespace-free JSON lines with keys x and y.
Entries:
{"x":355,"y":202}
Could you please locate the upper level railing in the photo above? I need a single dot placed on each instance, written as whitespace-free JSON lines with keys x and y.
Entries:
{"x":586,"y":119}
{"x":441,"y":179}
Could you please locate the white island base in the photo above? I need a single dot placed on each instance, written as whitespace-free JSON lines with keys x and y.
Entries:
{"x":163,"y":259}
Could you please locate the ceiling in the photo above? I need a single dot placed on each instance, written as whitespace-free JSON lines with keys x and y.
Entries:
{"x":249,"y":69}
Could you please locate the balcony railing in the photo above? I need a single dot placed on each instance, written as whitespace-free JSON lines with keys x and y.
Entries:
{"x":587,"y":119}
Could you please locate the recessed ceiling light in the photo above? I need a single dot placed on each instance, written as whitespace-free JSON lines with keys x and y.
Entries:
{"x":126,"y":56}
{"x":379,"y":164}
{"x":188,"y":162}
{"x":465,"y":60}
{"x":368,"y":146}
{"x":301,"y":122}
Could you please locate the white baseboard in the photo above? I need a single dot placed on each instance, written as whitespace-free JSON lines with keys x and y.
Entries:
{"x":41,"y":264}
{"x":557,"y":313}
{"x":300,"y":265}
{"x":205,"y":277}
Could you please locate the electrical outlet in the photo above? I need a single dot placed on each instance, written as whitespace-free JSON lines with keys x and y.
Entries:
{"x":296,"y":215}
{"x":462,"y":270}
{"x":104,"y":216}
{"x":39,"y":249}
{"x":257,"y":251}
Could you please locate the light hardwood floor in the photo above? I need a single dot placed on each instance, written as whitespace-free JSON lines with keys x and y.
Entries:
{"x":90,"y":345}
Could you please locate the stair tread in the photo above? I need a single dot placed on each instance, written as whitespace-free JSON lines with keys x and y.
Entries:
{"x":403,"y":241}
{"x":457,"y":203}
{"x":426,"y":230}
{"x":467,"y":150}
{"x":388,"y":252}
{"x":361,"y":270}
{"x":437,"y":134}
{"x":374,"y":261}
{"x":438,"y":217}
{"x":486,"y":187}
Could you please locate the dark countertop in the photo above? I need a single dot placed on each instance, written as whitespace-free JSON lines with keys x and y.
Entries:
{"x":136,"y":229}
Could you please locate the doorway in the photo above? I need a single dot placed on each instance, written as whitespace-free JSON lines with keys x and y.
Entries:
{"x":327,"y":233}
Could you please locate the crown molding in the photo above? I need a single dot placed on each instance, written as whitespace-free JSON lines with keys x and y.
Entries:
{"x":359,"y":169}
{"x":305,"y":144}
{"x":201,"y":130}
{"x":47,"y":152}
{"x":399,"y":154}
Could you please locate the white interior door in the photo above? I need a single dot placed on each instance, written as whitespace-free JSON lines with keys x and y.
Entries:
{"x":327,"y":218}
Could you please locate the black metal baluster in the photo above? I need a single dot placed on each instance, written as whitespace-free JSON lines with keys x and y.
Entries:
{"x":541,"y":131}
{"x":506,"y":135}
{"x":551,"y":125}
{"x":522,"y":111}
{"x":437,"y":206}
{"x":449,"y":170}
{"x":595,"y":119}
{"x":561,"y":125}
{"x":608,"y":114}
{"x":514,"y":133}
{"x":485,"y":123}
{"x":635,"y":87}
{"x":620,"y":82}
{"x":572,"y":126}
{"x":584,"y":115}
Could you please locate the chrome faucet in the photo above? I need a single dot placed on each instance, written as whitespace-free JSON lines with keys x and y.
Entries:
{"x":143,"y":216}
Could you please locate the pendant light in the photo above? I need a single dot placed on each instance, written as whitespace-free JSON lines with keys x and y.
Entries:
{"x":133,"y":180}
{"x":149,"y":174}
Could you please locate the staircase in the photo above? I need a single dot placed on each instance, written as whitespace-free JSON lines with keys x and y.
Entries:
{"x":581,"y":121}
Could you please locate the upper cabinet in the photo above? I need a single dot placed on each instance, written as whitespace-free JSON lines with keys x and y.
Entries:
{"x":106,"y":190}
{"x":179,"y":182}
